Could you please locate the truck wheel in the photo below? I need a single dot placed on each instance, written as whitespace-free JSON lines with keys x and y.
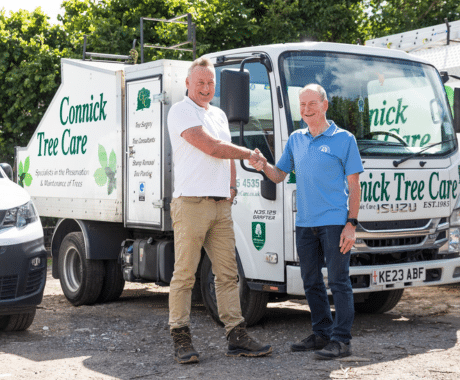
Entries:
{"x":379,"y":302}
{"x":113,"y":284}
{"x":81,"y":279}
{"x":17,"y":322}
{"x":253,"y":304}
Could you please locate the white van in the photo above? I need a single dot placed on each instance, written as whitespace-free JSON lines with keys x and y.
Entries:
{"x":22,"y":255}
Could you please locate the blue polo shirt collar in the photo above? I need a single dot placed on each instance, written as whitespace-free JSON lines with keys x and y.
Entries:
{"x":328,"y":132}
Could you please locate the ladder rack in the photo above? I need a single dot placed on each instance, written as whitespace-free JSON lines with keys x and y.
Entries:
{"x":424,"y":38}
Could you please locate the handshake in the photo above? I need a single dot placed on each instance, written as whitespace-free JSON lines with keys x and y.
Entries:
{"x":257,"y":160}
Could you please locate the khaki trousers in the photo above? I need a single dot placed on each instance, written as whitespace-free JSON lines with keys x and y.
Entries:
{"x":199,"y":222}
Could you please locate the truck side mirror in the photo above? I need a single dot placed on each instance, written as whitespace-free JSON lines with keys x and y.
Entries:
{"x":268,"y":189}
{"x":444,"y":76}
{"x":234,"y":95}
{"x":8,"y":171}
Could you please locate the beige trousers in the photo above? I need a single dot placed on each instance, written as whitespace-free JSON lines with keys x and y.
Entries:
{"x":198,"y":223}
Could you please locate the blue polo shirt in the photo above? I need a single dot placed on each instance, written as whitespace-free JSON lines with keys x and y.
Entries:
{"x":321,"y":165}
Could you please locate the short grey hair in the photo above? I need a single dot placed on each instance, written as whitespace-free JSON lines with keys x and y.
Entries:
{"x":317,"y":88}
{"x":203,"y":62}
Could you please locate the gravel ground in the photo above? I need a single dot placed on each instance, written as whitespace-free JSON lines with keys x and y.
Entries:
{"x":129,"y":339}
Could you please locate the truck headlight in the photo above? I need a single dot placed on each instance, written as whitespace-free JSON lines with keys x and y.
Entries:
{"x":454,"y":231}
{"x":19,"y":216}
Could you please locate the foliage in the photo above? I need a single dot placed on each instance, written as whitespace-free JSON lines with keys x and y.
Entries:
{"x":30,"y":52}
{"x":396,"y":16}
{"x":306,"y":20}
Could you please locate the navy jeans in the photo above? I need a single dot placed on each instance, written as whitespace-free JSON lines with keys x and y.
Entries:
{"x":314,"y":246}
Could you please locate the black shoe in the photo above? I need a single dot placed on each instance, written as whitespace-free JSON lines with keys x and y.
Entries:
{"x":183,"y":350}
{"x":312,"y":342}
{"x":241,"y":344}
{"x":334,"y":350}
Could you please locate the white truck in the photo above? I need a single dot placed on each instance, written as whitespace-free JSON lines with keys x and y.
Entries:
{"x":101,"y":162}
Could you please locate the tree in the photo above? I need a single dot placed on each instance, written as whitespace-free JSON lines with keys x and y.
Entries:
{"x":30,"y":52}
{"x":307,"y":20}
{"x":388,"y":17}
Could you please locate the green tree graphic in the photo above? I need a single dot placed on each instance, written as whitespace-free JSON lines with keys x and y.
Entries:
{"x":106,"y":173}
{"x":24,"y":178}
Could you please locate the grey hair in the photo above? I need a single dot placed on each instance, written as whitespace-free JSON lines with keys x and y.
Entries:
{"x":317,"y":88}
{"x":203,"y":62}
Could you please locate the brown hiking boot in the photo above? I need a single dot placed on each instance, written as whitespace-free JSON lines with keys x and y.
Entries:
{"x":183,"y":350}
{"x":241,"y":344}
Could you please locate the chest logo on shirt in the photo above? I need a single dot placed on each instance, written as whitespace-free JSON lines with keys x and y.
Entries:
{"x":325,"y":149}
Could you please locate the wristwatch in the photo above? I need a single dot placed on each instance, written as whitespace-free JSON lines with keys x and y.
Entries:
{"x":354,"y":222}
{"x":234,"y":188}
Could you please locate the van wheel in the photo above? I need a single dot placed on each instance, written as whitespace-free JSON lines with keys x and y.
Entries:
{"x":113,"y":283}
{"x":81,"y":279}
{"x":253,"y":304}
{"x":17,"y":322}
{"x":379,"y":302}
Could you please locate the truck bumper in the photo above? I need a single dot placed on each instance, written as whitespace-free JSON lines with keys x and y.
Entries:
{"x":22,"y":276}
{"x":438,"y":272}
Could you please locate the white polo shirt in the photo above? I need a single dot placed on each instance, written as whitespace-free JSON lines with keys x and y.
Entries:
{"x":197,"y":173}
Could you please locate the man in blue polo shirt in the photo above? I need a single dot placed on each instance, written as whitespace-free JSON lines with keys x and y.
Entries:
{"x":327,"y":164}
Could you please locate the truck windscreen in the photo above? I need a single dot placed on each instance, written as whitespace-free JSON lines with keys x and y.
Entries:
{"x":393,"y":107}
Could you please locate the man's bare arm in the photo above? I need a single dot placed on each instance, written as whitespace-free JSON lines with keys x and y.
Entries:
{"x":272,"y":172}
{"x":354,"y":191}
{"x":348,"y":235}
{"x":275,"y":174}
{"x":202,"y":140}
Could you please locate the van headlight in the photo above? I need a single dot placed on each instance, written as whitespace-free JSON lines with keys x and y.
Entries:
{"x":454,"y":231}
{"x":19,"y":216}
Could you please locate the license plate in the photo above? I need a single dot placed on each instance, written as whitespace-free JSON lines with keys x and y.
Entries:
{"x":394,"y":275}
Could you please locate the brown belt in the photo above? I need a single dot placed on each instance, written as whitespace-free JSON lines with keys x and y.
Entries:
{"x":217,"y":199}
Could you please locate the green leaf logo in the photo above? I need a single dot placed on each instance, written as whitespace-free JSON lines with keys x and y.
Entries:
{"x":24,"y":178}
{"x":143,"y":99}
{"x":106,"y":173}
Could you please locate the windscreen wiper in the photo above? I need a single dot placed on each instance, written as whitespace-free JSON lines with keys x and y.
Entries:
{"x":396,"y":163}
{"x":381,"y":143}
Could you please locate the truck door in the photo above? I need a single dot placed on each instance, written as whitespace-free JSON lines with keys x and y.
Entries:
{"x":259,"y":228}
{"x":143,"y":157}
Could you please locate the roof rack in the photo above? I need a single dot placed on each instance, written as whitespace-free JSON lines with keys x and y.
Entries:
{"x":191,"y":35}
{"x":430,"y":37}
{"x":131,"y":58}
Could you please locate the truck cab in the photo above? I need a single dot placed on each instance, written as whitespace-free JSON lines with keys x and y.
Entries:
{"x":23,"y":258}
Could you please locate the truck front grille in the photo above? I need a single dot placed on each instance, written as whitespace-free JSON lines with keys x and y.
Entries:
{"x":394,"y":224}
{"x":8,"y":287}
{"x":394,"y":242}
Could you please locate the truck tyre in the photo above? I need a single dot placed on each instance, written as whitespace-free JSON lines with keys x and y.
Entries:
{"x":81,"y":279}
{"x":253,"y":303}
{"x":379,"y":302}
{"x":17,"y":322}
{"x":113,"y":283}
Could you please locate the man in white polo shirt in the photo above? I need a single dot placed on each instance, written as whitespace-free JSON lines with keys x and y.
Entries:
{"x":204,"y":188}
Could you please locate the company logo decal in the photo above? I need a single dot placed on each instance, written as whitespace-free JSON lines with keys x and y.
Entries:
{"x":143,"y":99}
{"x":258,"y":235}
{"x":141,"y":191}
{"x":106,"y":173}
{"x":24,"y":178}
